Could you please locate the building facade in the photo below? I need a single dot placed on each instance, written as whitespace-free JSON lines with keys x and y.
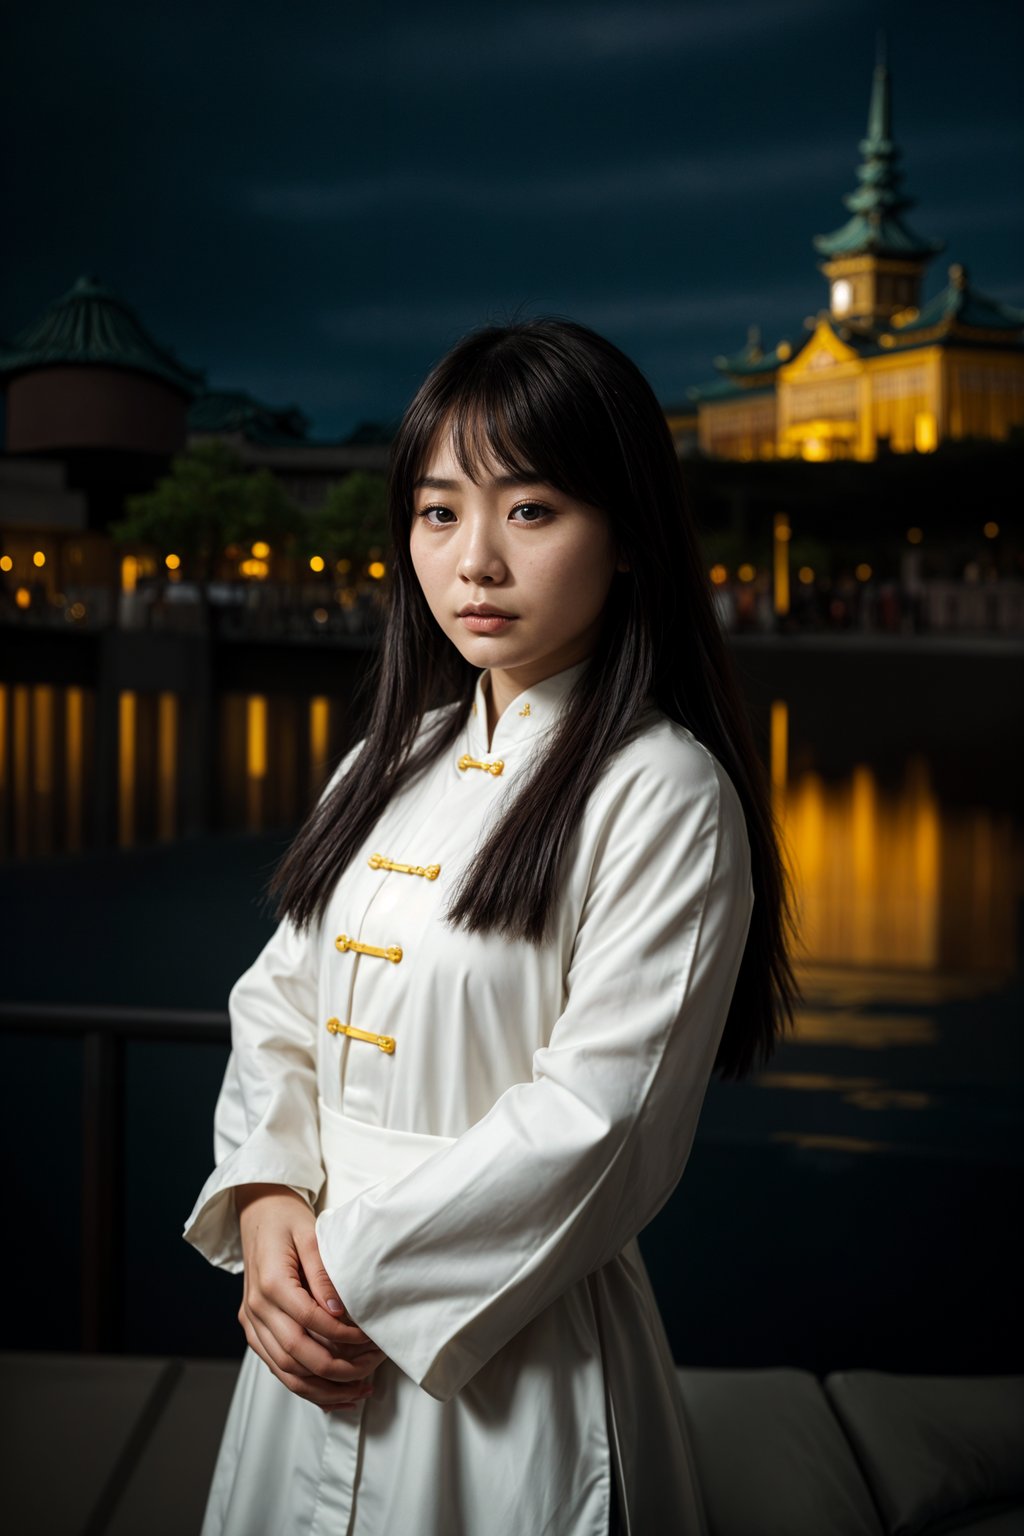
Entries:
{"x":881,"y":368}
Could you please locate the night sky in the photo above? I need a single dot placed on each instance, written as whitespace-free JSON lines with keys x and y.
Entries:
{"x":313,"y":204}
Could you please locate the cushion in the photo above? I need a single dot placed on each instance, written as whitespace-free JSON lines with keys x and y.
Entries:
{"x":932,"y":1447}
{"x":771,"y":1458}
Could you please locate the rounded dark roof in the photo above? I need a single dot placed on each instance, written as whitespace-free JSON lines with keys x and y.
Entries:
{"x":89,"y":324}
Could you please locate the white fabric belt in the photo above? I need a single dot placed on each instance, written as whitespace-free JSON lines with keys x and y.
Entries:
{"x":357,"y":1156}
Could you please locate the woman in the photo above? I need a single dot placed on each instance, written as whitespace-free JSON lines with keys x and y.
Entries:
{"x":536,"y":906}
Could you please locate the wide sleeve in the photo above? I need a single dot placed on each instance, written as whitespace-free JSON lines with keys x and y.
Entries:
{"x":265,"y":1123}
{"x":443,"y":1266}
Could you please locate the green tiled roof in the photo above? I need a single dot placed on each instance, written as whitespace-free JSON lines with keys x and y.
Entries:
{"x":960,"y":305}
{"x":233,"y":410}
{"x":877,"y":227}
{"x":751,"y":360}
{"x":88,"y":324}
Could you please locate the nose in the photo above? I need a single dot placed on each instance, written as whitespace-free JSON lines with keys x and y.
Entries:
{"x":480,"y":562}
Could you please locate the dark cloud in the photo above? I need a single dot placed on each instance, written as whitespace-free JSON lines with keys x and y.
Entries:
{"x":313,"y":205}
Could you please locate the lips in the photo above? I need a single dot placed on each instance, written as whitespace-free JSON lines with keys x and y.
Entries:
{"x":484,"y":611}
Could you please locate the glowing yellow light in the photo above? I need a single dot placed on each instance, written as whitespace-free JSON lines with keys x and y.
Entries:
{"x":926,"y":435}
{"x":806,"y":573}
{"x":256,"y":736}
{"x":172,"y":562}
{"x":257,"y":568}
{"x":377,"y":569}
{"x":23,"y":597}
{"x":316,"y":562}
{"x":990,"y":530}
{"x":129,"y":573}
{"x":779,"y":744}
{"x":38,"y":558}
{"x":127,"y":765}
{"x":746,"y":572}
{"x":862,"y":571}
{"x":319,"y":733}
{"x":781,"y":534}
{"x":914,"y":535}
{"x":719,"y":574}
{"x":6,"y":563}
{"x":260,"y":549}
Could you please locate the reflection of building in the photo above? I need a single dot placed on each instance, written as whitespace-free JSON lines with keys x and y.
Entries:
{"x":881,"y":366}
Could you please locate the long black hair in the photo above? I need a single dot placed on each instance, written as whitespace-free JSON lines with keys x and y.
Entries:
{"x":552,"y":400}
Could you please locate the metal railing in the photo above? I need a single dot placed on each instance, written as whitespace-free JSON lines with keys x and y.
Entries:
{"x":103,"y":1032}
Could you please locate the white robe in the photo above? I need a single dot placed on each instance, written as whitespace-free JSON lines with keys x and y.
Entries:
{"x":497,"y":1266}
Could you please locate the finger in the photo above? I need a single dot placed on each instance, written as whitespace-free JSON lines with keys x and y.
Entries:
{"x":319,"y":1281}
{"x":324,"y":1394}
{"x":271,"y":1348}
{"x":286,"y":1294}
{"x":320,"y":1285}
{"x":360,"y":1352}
{"x":302,"y":1355}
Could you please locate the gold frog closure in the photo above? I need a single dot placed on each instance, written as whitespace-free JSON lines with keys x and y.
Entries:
{"x":496,"y":767}
{"x":428,"y":871}
{"x":383,"y":1043}
{"x":391,"y":952}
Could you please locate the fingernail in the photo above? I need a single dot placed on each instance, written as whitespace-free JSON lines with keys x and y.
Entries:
{"x":333,"y":1305}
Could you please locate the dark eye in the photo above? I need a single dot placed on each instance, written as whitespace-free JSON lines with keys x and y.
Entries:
{"x":536,"y":507}
{"x":425,"y":513}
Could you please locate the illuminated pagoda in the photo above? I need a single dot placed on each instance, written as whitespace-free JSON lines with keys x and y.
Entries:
{"x":880,"y":367}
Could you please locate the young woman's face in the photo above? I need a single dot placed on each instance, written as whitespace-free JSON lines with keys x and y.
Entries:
{"x":543,"y":560}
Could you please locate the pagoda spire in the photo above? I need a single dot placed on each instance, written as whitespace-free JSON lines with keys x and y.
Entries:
{"x":877,"y":227}
{"x":880,"y":110}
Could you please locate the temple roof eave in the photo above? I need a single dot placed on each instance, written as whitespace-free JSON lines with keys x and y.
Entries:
{"x":860,"y":236}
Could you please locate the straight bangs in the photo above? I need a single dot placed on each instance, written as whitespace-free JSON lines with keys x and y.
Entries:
{"x":517,"y":407}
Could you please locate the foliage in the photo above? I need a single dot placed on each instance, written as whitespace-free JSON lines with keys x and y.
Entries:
{"x":208,"y":501}
{"x":352,"y":523}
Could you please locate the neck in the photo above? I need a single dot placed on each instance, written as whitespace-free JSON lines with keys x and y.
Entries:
{"x":503,"y":684}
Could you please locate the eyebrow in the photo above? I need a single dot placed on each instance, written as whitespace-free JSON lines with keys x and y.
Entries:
{"x":433,"y":483}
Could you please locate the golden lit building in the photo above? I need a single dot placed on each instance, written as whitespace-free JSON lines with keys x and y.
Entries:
{"x":881,"y":366}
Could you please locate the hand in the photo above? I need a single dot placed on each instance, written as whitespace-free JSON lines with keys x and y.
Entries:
{"x":291,"y":1314}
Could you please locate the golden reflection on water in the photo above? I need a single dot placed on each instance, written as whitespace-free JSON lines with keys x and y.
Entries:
{"x":883,"y":875}
{"x":866,"y":1031}
{"x":74,"y":757}
{"x":817,"y":1141}
{"x":863,"y":1092}
{"x":886,"y":876}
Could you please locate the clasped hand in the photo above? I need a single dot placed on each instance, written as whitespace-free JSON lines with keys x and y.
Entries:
{"x":291,"y":1314}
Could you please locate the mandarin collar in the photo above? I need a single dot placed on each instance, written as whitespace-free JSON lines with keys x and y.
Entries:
{"x":534,"y":710}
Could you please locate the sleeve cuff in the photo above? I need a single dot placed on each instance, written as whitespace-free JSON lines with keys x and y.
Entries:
{"x":212,"y":1226}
